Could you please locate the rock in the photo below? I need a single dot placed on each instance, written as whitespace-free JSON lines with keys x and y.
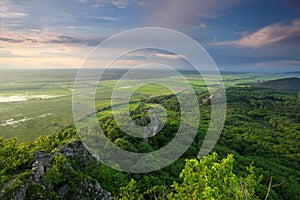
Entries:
{"x":21,"y":192}
{"x":75,"y":152}
{"x":76,"y":149}
{"x":41,"y":164}
{"x":93,"y":189}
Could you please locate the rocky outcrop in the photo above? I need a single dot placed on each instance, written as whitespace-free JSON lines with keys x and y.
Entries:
{"x":87,"y":187}
{"x":41,"y":164}
{"x":74,"y":152}
{"x":21,"y":192}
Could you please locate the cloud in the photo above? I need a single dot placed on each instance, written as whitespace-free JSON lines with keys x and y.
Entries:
{"x":279,"y":63}
{"x":21,"y":15}
{"x":13,"y":14}
{"x":63,"y":39}
{"x":116,"y":3}
{"x":9,"y":10}
{"x":78,"y":27}
{"x":142,"y":54}
{"x":203,"y":25}
{"x":164,"y":55}
{"x":121,"y":3}
{"x":180,"y":13}
{"x":170,"y":13}
{"x":36,"y":37}
{"x":147,"y":56}
{"x":11,"y":40}
{"x":107,"y":18}
{"x":271,"y":34}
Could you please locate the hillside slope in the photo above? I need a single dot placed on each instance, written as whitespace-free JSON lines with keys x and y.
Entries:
{"x":261,"y":127}
{"x":285,"y":85}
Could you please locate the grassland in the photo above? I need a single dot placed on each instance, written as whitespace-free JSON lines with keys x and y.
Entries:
{"x":39,"y":102}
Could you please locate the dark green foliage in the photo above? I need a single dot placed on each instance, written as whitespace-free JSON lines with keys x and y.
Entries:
{"x":262,"y":127}
{"x":285,"y":85}
{"x":16,"y":158}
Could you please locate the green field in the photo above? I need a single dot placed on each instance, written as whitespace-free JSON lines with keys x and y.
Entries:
{"x":39,"y":102}
{"x":261,"y":127}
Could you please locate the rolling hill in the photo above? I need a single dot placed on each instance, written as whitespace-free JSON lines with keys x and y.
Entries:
{"x":285,"y":85}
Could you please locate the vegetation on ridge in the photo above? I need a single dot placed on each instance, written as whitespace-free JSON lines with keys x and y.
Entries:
{"x":261,"y":127}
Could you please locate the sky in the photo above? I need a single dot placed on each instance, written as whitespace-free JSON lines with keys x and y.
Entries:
{"x":239,"y":35}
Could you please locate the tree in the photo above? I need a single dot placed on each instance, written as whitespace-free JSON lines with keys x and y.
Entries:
{"x":209,"y":178}
{"x":129,"y":192}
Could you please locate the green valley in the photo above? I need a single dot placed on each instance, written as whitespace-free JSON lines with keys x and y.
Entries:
{"x":256,"y":157}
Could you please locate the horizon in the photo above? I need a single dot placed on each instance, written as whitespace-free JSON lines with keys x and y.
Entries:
{"x":154,"y":69}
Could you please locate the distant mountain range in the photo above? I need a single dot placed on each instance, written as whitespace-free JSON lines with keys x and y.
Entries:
{"x":292,"y":72}
{"x":285,"y":84}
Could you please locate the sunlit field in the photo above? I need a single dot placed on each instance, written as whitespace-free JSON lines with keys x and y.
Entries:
{"x":39,"y":102}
